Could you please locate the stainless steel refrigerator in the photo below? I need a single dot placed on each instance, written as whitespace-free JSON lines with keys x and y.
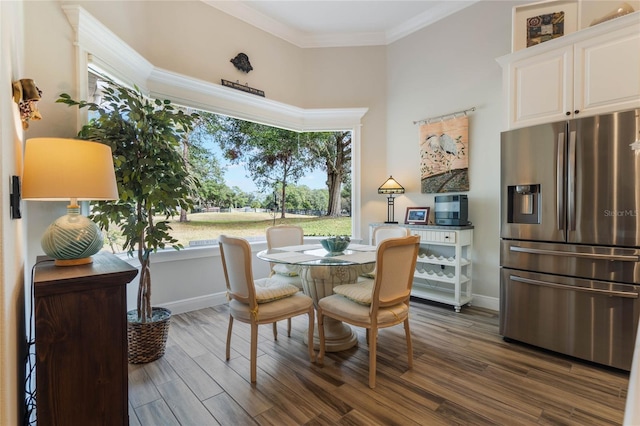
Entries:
{"x":570,"y":237}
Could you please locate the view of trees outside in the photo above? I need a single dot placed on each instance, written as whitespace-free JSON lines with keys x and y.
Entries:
{"x":274,"y":161}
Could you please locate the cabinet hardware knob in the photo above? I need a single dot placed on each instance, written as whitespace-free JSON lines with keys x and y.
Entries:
{"x":568,"y":113}
{"x":576,"y":111}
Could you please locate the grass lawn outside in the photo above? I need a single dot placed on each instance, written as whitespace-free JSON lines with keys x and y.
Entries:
{"x":203,"y":228}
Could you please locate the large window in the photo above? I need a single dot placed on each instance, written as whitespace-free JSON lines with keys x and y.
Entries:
{"x":251,"y":175}
{"x":99,"y":48}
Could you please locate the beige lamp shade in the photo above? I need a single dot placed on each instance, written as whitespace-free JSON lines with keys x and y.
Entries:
{"x":58,"y":169}
{"x":70,"y":170}
{"x":391,"y":186}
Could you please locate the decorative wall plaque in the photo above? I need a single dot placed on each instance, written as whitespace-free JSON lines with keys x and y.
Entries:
{"x":243,"y":87}
{"x":241,"y":62}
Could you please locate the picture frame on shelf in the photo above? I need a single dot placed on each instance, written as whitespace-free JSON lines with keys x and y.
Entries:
{"x":417,"y":216}
{"x":536,"y":23}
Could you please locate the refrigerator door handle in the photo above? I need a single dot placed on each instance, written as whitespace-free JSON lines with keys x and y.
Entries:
{"x":626,"y":294}
{"x":595,"y":256}
{"x":560,"y":212}
{"x":571,"y":182}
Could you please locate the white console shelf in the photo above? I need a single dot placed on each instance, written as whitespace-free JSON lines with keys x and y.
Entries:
{"x":443,"y":269}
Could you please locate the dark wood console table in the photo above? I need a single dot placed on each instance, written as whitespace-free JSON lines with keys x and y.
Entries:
{"x":81,"y":342}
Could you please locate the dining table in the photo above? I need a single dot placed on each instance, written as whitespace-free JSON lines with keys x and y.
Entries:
{"x":320,"y":271}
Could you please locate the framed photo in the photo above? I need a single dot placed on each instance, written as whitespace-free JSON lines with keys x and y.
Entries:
{"x":539,"y":22}
{"x":417,"y":216}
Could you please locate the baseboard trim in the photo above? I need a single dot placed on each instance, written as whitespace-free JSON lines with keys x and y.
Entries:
{"x":195,"y":303}
{"x":486,"y":302}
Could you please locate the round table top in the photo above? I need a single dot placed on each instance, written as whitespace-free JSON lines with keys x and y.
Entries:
{"x":315,"y":255}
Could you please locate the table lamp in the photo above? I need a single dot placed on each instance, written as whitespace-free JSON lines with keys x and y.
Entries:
{"x":58,"y":169}
{"x":390,"y":187}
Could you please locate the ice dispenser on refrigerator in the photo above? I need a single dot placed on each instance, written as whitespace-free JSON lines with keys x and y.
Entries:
{"x":523,"y":203}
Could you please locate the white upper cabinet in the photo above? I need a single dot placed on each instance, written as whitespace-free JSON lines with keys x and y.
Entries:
{"x":609,"y":71}
{"x":540,"y":88}
{"x":592,"y":71}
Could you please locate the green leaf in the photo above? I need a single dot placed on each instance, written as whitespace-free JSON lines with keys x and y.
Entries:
{"x":152,"y":176}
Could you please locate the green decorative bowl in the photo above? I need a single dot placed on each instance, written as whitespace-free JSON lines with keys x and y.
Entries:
{"x":333,"y":245}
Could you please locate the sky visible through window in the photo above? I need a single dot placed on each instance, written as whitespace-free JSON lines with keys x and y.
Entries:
{"x":236,"y":175}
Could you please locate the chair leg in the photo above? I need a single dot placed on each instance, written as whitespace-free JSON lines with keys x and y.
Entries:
{"x":407,"y":333}
{"x":254,"y":351}
{"x":275,"y":331}
{"x":312,"y":354}
{"x":373,"y":338}
{"x":288,"y":327}
{"x":367,"y":334}
{"x":229,"y":337}
{"x":320,"y":358}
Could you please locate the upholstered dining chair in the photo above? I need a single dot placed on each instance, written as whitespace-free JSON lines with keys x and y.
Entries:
{"x":261,"y":301}
{"x":282,"y":236}
{"x":384,"y":305}
{"x":382,"y":233}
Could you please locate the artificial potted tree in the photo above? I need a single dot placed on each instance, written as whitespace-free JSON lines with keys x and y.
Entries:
{"x":153,"y":184}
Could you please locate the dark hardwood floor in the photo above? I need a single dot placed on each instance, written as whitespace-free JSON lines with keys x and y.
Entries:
{"x":464,"y":373}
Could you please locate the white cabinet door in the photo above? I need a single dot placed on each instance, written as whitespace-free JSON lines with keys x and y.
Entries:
{"x":541,"y":88}
{"x":607,"y":74}
{"x":593,"y":71}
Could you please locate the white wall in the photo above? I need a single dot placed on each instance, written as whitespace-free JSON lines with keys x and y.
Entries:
{"x":447,"y":67}
{"x":11,"y":231}
{"x":194,"y":39}
{"x":353,"y":77}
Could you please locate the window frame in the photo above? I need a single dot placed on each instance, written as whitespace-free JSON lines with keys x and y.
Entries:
{"x":100,"y":49}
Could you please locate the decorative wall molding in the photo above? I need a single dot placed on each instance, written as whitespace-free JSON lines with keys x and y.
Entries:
{"x":202,"y":94}
{"x":349,"y":39}
{"x":105,"y":51}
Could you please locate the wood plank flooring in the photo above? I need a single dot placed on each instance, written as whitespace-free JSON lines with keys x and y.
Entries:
{"x":464,"y":373}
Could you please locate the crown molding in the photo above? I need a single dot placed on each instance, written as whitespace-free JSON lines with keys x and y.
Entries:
{"x":107,"y":52}
{"x":303,"y":39}
{"x":439,"y":12}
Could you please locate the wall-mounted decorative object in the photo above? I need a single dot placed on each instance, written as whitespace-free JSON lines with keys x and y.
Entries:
{"x":444,"y":153}
{"x":417,"y":216}
{"x":621,"y":10}
{"x":241,"y":62}
{"x":544,"y":28}
{"x":536,"y":23}
{"x":243,"y":87}
{"x":26,"y":94}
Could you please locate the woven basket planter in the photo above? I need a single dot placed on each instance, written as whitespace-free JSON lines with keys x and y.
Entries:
{"x":147,"y":341}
